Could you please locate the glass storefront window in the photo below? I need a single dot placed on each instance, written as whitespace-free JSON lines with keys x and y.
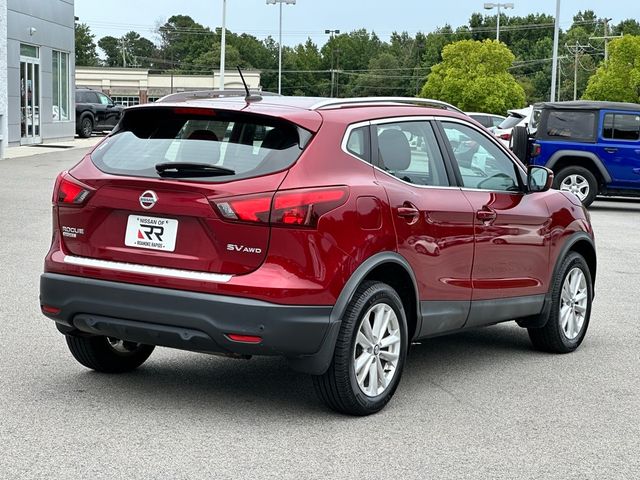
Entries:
{"x":60,"y":76}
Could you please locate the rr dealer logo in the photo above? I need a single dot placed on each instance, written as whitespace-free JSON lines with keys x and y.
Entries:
{"x":146,"y":232}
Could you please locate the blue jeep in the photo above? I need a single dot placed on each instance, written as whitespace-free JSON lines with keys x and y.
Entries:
{"x":592,"y":147}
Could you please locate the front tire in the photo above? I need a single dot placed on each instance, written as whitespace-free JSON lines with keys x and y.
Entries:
{"x":579,"y":181}
{"x":108,"y":355}
{"x":370,"y":353}
{"x":572,"y":296}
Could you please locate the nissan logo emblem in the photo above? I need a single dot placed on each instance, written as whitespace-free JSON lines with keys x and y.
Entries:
{"x":148,"y":199}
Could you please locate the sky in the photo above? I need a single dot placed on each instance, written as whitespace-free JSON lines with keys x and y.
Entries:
{"x":310,"y":18}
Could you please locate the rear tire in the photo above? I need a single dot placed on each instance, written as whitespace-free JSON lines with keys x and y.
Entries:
{"x":578,"y":180}
{"x":86,"y":127}
{"x":367,"y":362}
{"x":108,"y":355}
{"x":568,"y":320}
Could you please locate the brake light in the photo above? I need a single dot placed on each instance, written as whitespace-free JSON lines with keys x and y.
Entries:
{"x":193,"y":111}
{"x":301,"y":207}
{"x":505,"y":136}
{"x":69,"y":191}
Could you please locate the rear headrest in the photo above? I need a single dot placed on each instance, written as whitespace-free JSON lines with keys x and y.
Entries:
{"x":280,"y":138}
{"x":395,"y":151}
{"x":203,"y":135}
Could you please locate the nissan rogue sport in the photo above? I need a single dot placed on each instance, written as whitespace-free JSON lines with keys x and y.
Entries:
{"x":332,"y":232}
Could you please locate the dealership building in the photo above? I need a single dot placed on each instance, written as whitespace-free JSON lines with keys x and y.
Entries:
{"x":132,"y":86}
{"x":36,"y":71}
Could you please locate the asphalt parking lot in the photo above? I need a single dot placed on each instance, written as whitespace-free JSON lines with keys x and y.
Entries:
{"x":481,"y":404}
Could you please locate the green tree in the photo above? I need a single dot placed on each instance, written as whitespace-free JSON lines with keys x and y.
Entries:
{"x":86,"y":54}
{"x":474,"y":75}
{"x":618,"y":80}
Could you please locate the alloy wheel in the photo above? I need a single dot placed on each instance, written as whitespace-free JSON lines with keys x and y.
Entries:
{"x":576,"y":184}
{"x":573,"y":303}
{"x":377,"y":349}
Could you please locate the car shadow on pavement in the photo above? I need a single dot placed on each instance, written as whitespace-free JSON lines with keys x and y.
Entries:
{"x":265,"y":386}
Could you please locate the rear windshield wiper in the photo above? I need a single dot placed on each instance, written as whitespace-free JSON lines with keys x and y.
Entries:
{"x":188,"y":169}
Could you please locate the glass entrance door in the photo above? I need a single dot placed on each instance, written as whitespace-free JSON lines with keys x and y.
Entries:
{"x":30,"y":117}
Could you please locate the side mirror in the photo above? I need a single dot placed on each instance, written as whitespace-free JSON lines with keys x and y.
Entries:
{"x":539,"y":179}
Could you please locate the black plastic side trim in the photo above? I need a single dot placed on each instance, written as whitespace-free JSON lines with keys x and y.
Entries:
{"x":320,"y":361}
{"x":488,"y":312}
{"x":539,"y":321}
{"x":577,"y":153}
{"x":439,"y":317}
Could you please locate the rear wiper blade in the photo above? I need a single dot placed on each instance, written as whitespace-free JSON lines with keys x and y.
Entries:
{"x":189,"y":169}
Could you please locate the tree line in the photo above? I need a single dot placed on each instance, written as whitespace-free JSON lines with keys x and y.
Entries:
{"x":359,"y":63}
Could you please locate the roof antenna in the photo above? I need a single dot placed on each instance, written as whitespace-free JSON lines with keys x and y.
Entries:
{"x":249,"y":98}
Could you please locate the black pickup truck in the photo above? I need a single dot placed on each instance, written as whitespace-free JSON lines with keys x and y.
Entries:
{"x":95,"y":112}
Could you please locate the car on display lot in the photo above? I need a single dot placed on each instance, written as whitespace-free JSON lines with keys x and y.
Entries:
{"x":487,"y":120}
{"x":95,"y":112}
{"x":592,"y":147}
{"x":311,"y":229}
{"x":515,"y":118}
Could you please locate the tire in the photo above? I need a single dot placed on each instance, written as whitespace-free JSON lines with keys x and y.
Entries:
{"x":554,"y":337}
{"x":579,"y":181}
{"x":86,"y":127}
{"x":107,"y":355}
{"x":519,"y":143}
{"x":339,"y":387}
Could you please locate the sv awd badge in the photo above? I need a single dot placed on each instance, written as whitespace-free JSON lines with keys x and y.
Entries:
{"x":232,"y":247}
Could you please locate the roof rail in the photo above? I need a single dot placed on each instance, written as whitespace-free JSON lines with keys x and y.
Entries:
{"x":346,"y":102}
{"x":203,"y":94}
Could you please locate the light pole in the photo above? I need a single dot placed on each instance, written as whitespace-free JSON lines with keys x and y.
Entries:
{"x":223,"y":43}
{"x":273,"y":2}
{"x":554,"y":66}
{"x":491,"y":6}
{"x":331,"y":33}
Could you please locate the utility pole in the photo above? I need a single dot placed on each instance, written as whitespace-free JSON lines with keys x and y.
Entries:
{"x":606,"y":38}
{"x":223,"y":43}
{"x":331,"y":33}
{"x":554,"y":65}
{"x":576,"y":50}
{"x":124,"y":54}
{"x":273,"y":2}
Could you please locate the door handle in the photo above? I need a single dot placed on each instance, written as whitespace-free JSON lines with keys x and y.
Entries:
{"x":610,"y":149}
{"x":486,"y":215}
{"x":409,"y":212}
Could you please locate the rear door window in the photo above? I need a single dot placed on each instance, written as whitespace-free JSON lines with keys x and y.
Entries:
{"x":249,"y":145}
{"x":410,"y":152}
{"x":621,"y":126}
{"x":571,"y":125}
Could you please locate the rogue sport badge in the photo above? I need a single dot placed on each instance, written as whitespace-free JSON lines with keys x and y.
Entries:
{"x":148,"y":199}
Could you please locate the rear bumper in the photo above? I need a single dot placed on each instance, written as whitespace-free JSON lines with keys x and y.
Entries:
{"x":190,"y":320}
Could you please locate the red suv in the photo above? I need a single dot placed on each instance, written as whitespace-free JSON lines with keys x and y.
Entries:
{"x":332,"y":232}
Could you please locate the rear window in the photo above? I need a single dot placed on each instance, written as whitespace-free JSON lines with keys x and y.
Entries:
{"x":250,"y":145}
{"x":510,"y":122}
{"x":571,"y":125}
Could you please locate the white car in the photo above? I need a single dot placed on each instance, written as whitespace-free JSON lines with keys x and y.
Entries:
{"x":487,"y":120}
{"x":515,"y":118}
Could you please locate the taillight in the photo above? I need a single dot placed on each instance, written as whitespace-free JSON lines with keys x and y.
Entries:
{"x":246,"y":208}
{"x":69,"y":191}
{"x":305,"y":207}
{"x":505,"y":136}
{"x":301,"y":207}
{"x":535,"y":150}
